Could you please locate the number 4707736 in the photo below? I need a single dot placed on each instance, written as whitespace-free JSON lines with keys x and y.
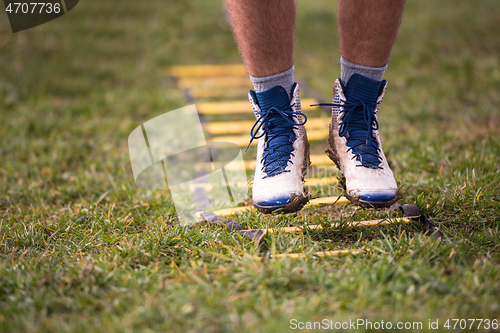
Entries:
{"x":471,"y":324}
{"x":33,"y":7}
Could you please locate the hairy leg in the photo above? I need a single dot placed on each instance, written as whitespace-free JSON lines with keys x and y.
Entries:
{"x":264,"y":31}
{"x":368,"y":29}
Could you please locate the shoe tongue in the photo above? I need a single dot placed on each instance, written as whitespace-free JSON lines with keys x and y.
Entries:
{"x":362,"y":88}
{"x":276,"y":97}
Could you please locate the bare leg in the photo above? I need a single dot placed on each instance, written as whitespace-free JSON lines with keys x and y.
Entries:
{"x":264,"y":31}
{"x":368,"y":29}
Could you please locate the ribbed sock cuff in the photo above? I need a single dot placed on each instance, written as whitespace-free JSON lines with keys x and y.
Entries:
{"x":347,"y":68}
{"x":284,"y":79}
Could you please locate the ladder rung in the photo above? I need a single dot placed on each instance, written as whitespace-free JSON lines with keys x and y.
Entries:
{"x":239,"y":106}
{"x":321,"y":181}
{"x":250,"y":165}
{"x":292,"y":230}
{"x":308,"y":182}
{"x":313,"y":202}
{"x":209,"y":83}
{"x":233,"y":127}
{"x":218,"y":92}
{"x":334,"y":253}
{"x":243,"y":140}
{"x":207,"y":70}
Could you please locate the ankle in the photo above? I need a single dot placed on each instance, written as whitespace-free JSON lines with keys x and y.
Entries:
{"x":283,"y":79}
{"x":347,"y":69}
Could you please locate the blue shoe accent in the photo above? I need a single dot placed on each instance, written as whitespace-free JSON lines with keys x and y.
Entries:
{"x":377,"y":197}
{"x":274,"y":203}
{"x":276,"y":120}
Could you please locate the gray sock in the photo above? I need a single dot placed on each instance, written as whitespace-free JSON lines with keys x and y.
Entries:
{"x":347,"y":68}
{"x":284,"y":79}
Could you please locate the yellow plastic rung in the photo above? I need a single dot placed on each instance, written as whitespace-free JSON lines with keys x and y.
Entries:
{"x":251,"y":164}
{"x":239,"y":107}
{"x":334,"y":253}
{"x":207,"y":70}
{"x":232,"y":211}
{"x":318,"y":181}
{"x":235,"y":92}
{"x":242,"y":140}
{"x":337,"y":252}
{"x":321,"y":181}
{"x":321,"y":160}
{"x":292,"y":230}
{"x":327,"y":201}
{"x":313,"y":202}
{"x":308,"y":182}
{"x":197,"y":84}
{"x":315,"y":160}
{"x":233,"y":127}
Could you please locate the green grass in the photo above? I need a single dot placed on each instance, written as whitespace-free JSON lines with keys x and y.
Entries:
{"x":83,"y":249}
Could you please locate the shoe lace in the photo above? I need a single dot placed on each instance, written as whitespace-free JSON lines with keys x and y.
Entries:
{"x":278,"y":127}
{"x":357,"y":126}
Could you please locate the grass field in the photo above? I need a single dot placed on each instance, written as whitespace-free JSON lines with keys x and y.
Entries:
{"x":82,"y":249}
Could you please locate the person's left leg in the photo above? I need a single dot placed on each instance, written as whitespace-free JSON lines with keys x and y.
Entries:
{"x":367,"y":32}
{"x":368,"y":29}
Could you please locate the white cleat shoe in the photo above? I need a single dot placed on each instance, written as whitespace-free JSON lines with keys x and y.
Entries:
{"x":355,"y":144}
{"x":282,"y":152}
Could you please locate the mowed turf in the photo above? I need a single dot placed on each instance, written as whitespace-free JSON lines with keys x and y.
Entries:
{"x":83,"y":249}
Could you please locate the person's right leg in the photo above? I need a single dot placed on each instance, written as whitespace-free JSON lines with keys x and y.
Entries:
{"x":264,"y":31}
